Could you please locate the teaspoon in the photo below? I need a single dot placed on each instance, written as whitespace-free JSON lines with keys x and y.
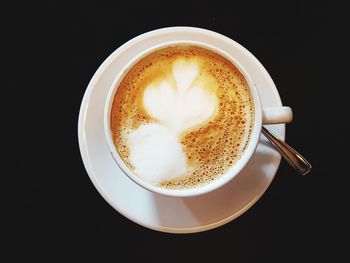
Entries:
{"x":295,"y":159}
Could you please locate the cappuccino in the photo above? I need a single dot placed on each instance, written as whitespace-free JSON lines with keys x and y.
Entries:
{"x":181,"y":117}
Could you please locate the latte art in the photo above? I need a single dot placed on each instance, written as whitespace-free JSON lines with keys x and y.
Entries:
{"x":156,"y":153}
{"x":181,"y":117}
{"x":177,"y":101}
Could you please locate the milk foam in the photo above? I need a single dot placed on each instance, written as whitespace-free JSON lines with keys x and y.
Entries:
{"x":182,"y":106}
{"x":156,"y":153}
{"x":155,"y":149}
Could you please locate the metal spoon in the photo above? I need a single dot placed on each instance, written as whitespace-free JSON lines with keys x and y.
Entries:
{"x":295,"y":159}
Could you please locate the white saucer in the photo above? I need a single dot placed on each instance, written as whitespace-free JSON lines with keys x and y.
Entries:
{"x":167,"y":214}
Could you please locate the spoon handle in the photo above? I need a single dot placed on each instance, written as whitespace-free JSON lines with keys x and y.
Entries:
{"x":295,"y":159}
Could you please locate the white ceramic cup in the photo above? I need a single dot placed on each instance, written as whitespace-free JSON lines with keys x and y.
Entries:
{"x":262,"y":116}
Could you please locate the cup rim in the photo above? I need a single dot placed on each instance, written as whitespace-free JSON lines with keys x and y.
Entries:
{"x":232,"y":172}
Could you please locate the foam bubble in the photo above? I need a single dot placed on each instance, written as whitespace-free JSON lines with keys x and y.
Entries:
{"x":156,"y":153}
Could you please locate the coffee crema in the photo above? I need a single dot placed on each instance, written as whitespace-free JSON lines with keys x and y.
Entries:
{"x":181,"y":117}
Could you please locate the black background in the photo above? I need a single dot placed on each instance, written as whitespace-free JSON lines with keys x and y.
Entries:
{"x":50,"y":210}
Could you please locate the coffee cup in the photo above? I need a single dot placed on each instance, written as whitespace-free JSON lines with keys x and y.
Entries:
{"x":183,"y":118}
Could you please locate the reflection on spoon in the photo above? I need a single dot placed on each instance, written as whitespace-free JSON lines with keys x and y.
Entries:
{"x":295,"y":159}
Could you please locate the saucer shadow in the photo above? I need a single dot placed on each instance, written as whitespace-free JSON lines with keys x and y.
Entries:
{"x":223,"y":204}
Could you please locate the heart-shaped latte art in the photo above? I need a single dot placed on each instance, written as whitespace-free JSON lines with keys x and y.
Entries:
{"x":180,"y":104}
{"x":177,"y":103}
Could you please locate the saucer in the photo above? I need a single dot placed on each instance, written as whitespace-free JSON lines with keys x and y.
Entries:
{"x":154,"y":211}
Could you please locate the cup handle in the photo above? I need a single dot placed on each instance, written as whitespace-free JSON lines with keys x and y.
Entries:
{"x":276,"y":115}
